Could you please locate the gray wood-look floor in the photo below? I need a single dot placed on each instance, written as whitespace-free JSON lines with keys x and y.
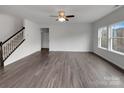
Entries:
{"x":61,"y":70}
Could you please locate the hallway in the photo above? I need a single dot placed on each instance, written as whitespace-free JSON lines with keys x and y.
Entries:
{"x":61,"y":69}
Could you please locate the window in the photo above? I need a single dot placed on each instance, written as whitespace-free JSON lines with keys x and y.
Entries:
{"x":103,"y":37}
{"x":117,"y":31}
{"x":112,"y":38}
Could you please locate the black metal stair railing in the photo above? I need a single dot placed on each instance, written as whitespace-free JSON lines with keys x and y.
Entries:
{"x":10,"y":45}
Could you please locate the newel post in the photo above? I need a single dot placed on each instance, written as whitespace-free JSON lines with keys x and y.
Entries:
{"x":1,"y":56}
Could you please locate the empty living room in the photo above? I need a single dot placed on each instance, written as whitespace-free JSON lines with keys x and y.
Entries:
{"x":61,"y":46}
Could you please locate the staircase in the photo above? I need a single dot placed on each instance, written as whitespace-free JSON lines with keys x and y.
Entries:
{"x":10,"y":45}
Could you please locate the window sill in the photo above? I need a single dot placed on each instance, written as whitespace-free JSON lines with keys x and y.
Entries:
{"x":103,"y":48}
{"x":120,"y":53}
{"x":112,"y":51}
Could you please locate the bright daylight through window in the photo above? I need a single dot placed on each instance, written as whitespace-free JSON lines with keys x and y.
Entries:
{"x":112,"y":37}
{"x":118,"y":37}
{"x":103,"y":37}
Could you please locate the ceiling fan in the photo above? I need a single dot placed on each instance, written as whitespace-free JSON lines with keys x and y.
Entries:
{"x":62,"y":17}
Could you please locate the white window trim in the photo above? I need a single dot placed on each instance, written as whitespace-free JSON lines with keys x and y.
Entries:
{"x":110,"y":38}
{"x":117,"y":52}
{"x":111,"y":49}
{"x":102,"y":48}
{"x":99,"y":38}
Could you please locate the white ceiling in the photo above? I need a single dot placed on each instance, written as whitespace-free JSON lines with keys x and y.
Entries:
{"x":41,"y":13}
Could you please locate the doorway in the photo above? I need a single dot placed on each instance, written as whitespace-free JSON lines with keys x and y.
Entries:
{"x":45,"y":40}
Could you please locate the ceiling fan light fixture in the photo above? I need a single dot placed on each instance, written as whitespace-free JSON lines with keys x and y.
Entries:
{"x":61,"y":19}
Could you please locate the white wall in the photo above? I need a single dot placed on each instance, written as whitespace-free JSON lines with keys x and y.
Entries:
{"x":9,"y":25}
{"x":70,"y":37}
{"x":31,"y":45}
{"x":114,"y":17}
{"x":63,"y":37}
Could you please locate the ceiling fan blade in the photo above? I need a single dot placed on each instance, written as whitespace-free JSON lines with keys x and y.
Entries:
{"x":53,"y":16}
{"x":68,"y":16}
{"x":67,"y":19}
{"x":57,"y":19}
